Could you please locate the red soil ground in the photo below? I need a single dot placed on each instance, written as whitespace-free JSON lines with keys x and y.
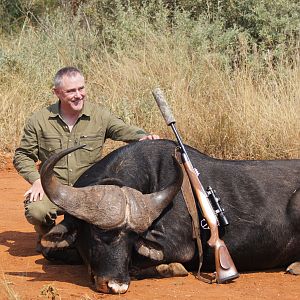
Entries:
{"x":28,"y":275}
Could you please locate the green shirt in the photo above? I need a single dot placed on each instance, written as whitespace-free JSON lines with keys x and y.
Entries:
{"x":46,"y":133}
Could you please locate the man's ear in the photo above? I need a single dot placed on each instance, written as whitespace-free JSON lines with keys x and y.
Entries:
{"x":56,"y":91}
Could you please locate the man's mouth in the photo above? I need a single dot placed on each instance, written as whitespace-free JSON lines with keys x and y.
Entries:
{"x":76,"y":101}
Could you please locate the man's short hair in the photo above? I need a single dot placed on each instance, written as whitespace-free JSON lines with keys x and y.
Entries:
{"x":66,"y":71}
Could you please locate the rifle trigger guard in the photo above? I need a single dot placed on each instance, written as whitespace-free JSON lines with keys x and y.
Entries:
{"x":204,"y":224}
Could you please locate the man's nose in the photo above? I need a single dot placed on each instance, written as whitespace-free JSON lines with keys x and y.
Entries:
{"x":78,"y":94}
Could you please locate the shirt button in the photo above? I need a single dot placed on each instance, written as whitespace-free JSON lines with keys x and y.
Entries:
{"x":69,"y":154}
{"x":70,"y":170}
{"x":70,"y":140}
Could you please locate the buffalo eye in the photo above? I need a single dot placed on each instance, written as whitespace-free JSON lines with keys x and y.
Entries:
{"x":109,"y":236}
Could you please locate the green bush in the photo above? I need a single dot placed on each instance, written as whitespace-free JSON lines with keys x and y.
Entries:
{"x":271,"y":25}
{"x":13,"y":13}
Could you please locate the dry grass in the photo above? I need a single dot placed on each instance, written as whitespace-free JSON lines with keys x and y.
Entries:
{"x":8,"y":287}
{"x":236,"y":114}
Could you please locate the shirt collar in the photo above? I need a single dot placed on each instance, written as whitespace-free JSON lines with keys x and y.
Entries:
{"x":86,"y":111}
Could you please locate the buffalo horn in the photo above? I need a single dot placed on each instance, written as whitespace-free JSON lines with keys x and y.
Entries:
{"x":107,"y":206}
{"x":102,"y":205}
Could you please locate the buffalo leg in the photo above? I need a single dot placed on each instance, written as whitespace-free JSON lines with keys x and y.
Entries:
{"x":67,"y":255}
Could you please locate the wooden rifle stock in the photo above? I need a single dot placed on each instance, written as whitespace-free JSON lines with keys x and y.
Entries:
{"x":225,"y":268}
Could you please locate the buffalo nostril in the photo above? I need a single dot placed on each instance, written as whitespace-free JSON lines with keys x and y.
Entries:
{"x":110,"y":286}
{"x":101,"y":285}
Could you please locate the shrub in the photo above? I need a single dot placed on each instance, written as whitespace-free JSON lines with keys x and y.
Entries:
{"x":230,"y":96}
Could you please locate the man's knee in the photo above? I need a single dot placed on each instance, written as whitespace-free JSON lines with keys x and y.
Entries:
{"x":41,"y":212}
{"x":34,"y":213}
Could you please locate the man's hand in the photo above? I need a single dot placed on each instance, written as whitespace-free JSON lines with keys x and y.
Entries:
{"x":36,"y":191}
{"x":150,"y":137}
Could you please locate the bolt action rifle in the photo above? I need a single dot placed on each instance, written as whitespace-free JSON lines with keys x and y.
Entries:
{"x":225,"y":268}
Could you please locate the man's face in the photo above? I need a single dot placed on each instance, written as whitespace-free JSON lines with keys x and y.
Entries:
{"x":71,"y":93}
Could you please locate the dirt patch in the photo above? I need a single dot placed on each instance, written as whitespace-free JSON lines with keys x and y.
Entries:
{"x":29,"y":276}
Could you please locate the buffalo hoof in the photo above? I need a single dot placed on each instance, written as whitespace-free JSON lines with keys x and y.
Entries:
{"x":160,"y":271}
{"x":294,"y":268}
{"x":172,"y":270}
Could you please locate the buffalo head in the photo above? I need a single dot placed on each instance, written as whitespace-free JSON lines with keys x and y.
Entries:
{"x":107,"y":221}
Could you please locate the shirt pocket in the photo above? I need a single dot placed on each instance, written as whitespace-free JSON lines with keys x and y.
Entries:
{"x":92,"y":150}
{"x":49,"y":146}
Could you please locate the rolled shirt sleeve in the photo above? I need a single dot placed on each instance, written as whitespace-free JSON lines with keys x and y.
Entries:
{"x":118,"y":130}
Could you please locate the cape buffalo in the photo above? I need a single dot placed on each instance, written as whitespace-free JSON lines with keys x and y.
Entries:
{"x":137,"y":226}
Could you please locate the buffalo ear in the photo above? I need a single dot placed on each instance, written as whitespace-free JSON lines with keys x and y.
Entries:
{"x":59,"y":237}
